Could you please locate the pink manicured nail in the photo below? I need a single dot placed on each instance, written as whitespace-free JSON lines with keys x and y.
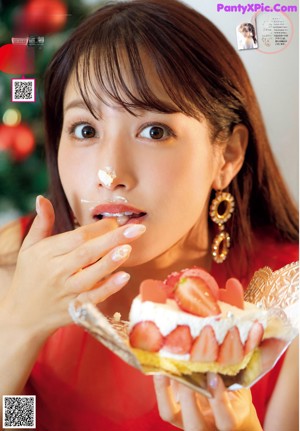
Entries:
{"x":38,"y":204}
{"x":212,"y":380}
{"x":121,"y":278}
{"x":134,"y":230}
{"x":121,"y":253}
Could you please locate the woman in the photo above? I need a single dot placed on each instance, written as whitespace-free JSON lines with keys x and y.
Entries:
{"x":145,"y":120}
{"x":248,"y":39}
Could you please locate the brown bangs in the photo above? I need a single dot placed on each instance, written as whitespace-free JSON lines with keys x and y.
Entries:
{"x":119,"y":64}
{"x":122,"y":52}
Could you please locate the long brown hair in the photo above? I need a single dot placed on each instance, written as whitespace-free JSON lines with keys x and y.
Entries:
{"x":202,"y":74}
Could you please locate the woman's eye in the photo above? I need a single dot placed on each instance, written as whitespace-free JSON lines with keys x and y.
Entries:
{"x":155,"y":132}
{"x":84,"y":131}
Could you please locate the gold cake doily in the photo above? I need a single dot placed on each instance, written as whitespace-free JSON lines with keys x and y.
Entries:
{"x":274,"y":289}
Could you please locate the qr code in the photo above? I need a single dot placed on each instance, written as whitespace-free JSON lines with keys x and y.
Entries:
{"x":23,"y":90}
{"x":19,"y":411}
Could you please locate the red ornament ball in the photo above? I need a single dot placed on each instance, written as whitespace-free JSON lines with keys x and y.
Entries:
{"x":6,"y":136}
{"x":43,"y":17}
{"x":16,"y":59}
{"x":18,"y":140}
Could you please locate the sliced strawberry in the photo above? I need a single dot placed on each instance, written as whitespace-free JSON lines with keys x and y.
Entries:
{"x":194,"y":296}
{"x":254,"y":337}
{"x":205,"y":347}
{"x":153,"y":290}
{"x":179,"y":341}
{"x":233,"y":293}
{"x":194,"y":272}
{"x":201,"y":274}
{"x":231,"y":350}
{"x":146,"y":336}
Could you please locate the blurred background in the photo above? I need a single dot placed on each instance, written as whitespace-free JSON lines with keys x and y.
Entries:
{"x":22,"y":161}
{"x":23,"y":173}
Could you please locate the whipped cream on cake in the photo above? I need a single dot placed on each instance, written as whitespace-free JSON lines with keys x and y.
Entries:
{"x":169,"y":315}
{"x":187,"y":321}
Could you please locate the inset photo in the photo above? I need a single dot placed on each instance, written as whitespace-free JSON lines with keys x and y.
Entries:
{"x":246,"y":36}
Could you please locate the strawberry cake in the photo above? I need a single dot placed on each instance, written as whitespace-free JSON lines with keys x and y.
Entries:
{"x":188,"y":324}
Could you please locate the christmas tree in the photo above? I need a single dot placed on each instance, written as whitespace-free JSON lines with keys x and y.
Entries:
{"x":38,"y":27}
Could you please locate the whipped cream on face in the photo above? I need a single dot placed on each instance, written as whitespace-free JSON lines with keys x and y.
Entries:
{"x":107,"y":176}
{"x":168,"y":316}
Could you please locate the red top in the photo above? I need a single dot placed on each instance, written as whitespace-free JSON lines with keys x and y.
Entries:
{"x":80,"y":385}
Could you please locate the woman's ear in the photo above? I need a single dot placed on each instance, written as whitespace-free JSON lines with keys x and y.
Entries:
{"x":232,"y":158}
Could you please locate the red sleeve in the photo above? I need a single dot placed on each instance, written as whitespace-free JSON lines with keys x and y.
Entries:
{"x":274,"y":254}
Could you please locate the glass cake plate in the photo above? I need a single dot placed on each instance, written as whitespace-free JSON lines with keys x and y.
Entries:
{"x":277,"y":292}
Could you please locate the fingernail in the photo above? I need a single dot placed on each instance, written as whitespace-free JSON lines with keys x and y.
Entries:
{"x":134,"y":230}
{"x":121,"y":253}
{"x":38,"y":204}
{"x":121,"y":278}
{"x":212,"y":380}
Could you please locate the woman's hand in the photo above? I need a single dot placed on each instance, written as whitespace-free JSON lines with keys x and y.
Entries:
{"x":53,"y":270}
{"x":191,"y":411}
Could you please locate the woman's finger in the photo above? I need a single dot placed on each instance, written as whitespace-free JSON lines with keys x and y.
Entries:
{"x":224,"y":414}
{"x":91,"y":251}
{"x":87,"y":278}
{"x":169,"y":409}
{"x":106,"y":288}
{"x":43,"y":223}
{"x":66,"y":242}
{"x":192,"y":417}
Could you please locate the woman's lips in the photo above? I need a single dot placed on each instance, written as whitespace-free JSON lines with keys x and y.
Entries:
{"x":121,"y":212}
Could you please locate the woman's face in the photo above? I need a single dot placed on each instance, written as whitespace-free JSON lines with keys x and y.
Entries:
{"x":165,"y":168}
{"x":246,"y":32}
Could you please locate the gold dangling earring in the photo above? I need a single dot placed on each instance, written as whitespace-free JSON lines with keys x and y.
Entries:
{"x":221,"y":242}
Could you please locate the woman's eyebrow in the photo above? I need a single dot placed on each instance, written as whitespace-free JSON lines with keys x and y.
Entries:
{"x":76,"y":103}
